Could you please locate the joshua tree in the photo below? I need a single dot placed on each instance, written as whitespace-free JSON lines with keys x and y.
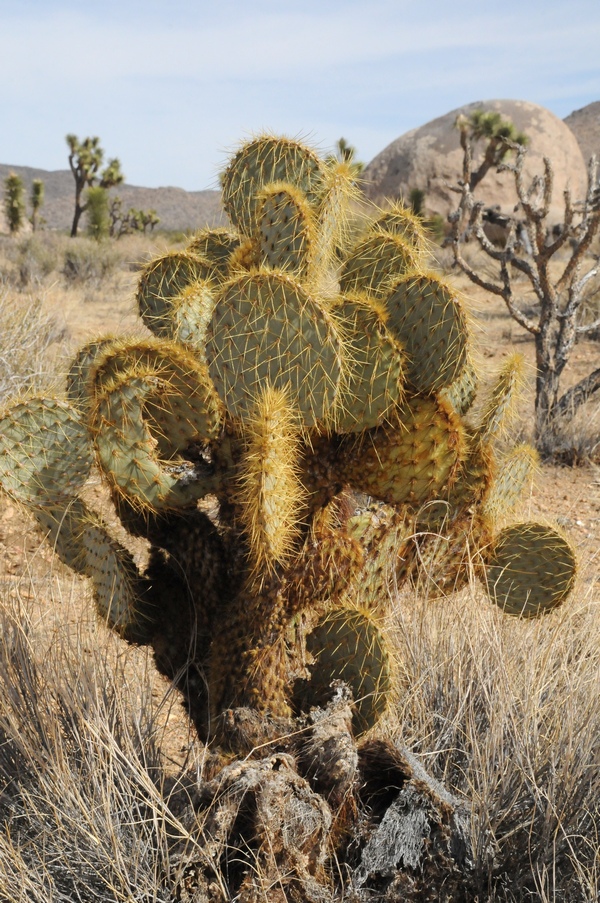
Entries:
{"x":96,"y":206}
{"x":556,"y":322}
{"x":85,"y":160}
{"x":501,"y":135}
{"x":122,"y":223}
{"x":36,"y":199}
{"x":14,"y":205}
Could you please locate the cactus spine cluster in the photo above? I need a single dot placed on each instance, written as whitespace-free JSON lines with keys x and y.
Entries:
{"x":291,"y":365}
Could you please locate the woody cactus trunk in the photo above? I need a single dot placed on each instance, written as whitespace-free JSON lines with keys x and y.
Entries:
{"x":293,"y":439}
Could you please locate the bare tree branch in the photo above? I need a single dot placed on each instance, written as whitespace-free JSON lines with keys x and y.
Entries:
{"x":571,"y":401}
{"x":554,"y":325}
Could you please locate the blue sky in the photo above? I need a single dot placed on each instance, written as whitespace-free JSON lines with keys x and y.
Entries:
{"x":172,"y":87}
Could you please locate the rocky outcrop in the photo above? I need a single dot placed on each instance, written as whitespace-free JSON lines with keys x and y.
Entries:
{"x":585,"y":125}
{"x":430,"y":158}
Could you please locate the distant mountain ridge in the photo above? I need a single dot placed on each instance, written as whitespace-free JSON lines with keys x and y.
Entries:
{"x":178,"y":209}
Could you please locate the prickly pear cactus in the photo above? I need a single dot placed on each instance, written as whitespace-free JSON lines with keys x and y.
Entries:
{"x":294,"y":363}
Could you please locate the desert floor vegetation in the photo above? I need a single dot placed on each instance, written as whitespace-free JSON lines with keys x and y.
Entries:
{"x":99,"y":770}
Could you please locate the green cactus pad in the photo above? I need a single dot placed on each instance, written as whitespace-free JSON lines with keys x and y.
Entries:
{"x":267,"y":329}
{"x":502,"y":396}
{"x":127,"y":449}
{"x":183,"y":407}
{"x":427,"y":318}
{"x":164,"y":279}
{"x":261,"y":161}
{"x":118,"y":587}
{"x":375,"y":382}
{"x":333,"y":233}
{"x":407,"y":225}
{"x":376,"y":264}
{"x":513,"y":480}
{"x":469,"y":491}
{"x":45,"y":450}
{"x":62,"y":521}
{"x":270,"y":493}
{"x":462,"y":392}
{"x":79,"y":377}
{"x":386,"y":536}
{"x":348,"y":645}
{"x":215,"y":246}
{"x":190,"y":315}
{"x":286,"y":228}
{"x":411,"y":463}
{"x":83,"y":542}
{"x":530,"y":570}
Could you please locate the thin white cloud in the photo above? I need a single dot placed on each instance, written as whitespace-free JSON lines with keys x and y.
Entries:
{"x":82,"y":45}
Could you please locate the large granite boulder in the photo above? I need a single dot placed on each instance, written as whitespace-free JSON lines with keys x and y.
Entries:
{"x":430,"y":158}
{"x":585,"y":125}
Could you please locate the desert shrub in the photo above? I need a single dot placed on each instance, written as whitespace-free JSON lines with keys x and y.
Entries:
{"x":37,"y":258}
{"x":577,"y":441}
{"x":87,"y":261}
{"x":14,"y":203}
{"x":96,"y":209}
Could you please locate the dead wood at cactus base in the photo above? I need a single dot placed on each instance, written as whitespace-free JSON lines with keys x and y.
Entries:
{"x":385,"y":831}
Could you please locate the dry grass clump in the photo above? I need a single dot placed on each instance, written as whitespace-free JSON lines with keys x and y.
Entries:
{"x":27,"y":336}
{"x":85,"y":796}
{"x":507,"y":714}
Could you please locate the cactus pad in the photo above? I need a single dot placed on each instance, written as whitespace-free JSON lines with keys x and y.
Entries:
{"x":163,"y":280}
{"x":407,"y":225}
{"x":286,"y":228}
{"x":81,"y":370}
{"x":267,"y":329}
{"x":348,"y":645}
{"x":260,"y":162}
{"x":45,"y":450}
{"x":427,"y":318}
{"x":215,"y":246}
{"x":375,"y":265}
{"x":411,"y":463}
{"x":530,"y":570}
{"x":270,"y":493}
{"x":375,"y":382}
{"x":513,"y":479}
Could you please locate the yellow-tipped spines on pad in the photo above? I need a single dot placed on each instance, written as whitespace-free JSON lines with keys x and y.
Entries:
{"x":429,"y":320}
{"x":269,"y":493}
{"x":45,"y":450}
{"x":407,"y":225}
{"x":376,"y":365}
{"x":262,"y":161}
{"x":164,"y":279}
{"x":413,"y":462}
{"x":376,"y":263}
{"x":502,"y":398}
